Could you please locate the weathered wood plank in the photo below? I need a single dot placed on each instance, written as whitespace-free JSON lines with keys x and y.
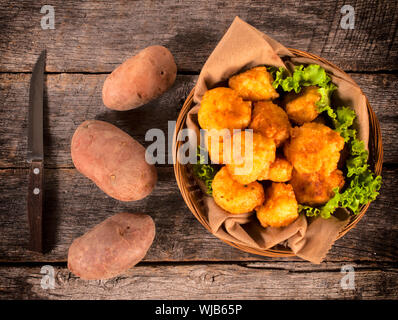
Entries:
{"x":95,"y":36}
{"x":73,"y":205}
{"x":73,"y":98}
{"x":381,"y":93}
{"x":212,"y":281}
{"x":69,"y":100}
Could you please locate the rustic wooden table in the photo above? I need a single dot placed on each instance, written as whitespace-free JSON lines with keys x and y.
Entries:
{"x":185,"y":261}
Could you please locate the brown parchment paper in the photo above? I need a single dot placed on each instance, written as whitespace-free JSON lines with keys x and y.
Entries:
{"x":244,"y":47}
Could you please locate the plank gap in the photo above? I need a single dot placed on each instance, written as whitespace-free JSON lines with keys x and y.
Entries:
{"x":250,"y":264}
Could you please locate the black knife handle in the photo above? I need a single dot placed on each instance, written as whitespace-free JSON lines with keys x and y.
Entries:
{"x":35,"y":205}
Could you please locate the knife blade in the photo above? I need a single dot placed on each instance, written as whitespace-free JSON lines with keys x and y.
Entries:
{"x":35,"y":156}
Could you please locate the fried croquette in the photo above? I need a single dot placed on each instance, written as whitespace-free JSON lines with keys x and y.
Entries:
{"x":315,"y":188}
{"x":223,"y":108}
{"x":314,"y":147}
{"x":279,"y":171}
{"x":280,"y":207}
{"x":301,"y":107}
{"x":218,"y":150}
{"x":235,"y":197}
{"x":252,"y":153}
{"x":254,"y":84}
{"x":271,"y":121}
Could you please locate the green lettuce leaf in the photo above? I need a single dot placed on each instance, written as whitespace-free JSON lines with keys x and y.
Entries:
{"x":311,"y":75}
{"x":363,"y":186}
{"x":343,"y":121}
{"x":203,"y":170}
{"x":324,"y":103}
{"x":309,"y":211}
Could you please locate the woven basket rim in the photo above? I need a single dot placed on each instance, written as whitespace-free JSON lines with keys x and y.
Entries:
{"x":180,"y":170}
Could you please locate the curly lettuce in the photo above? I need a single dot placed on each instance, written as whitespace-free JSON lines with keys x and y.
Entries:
{"x":362,"y":186}
{"x":325,"y":101}
{"x":203,"y":170}
{"x":311,"y":75}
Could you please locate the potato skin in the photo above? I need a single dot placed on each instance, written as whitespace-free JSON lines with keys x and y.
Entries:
{"x":111,"y":247}
{"x":140,"y":79}
{"x":113,"y":160}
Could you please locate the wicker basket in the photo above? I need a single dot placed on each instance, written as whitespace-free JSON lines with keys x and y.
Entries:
{"x":192,"y":193}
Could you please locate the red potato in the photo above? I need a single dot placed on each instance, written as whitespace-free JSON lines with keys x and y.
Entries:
{"x":140,"y":79}
{"x":111,"y":247}
{"x":113,"y":160}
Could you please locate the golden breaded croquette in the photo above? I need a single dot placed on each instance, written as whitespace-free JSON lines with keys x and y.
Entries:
{"x":235,"y":197}
{"x":254,"y":84}
{"x":271,"y":121}
{"x":223,"y":108}
{"x":279,"y":171}
{"x":214,"y":141}
{"x":280,"y":207}
{"x":301,"y":107}
{"x":315,"y":189}
{"x":314,"y":147}
{"x":252,"y":153}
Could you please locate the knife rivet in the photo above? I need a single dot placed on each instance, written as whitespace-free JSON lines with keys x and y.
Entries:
{"x":36,"y":170}
{"x":36,"y":191}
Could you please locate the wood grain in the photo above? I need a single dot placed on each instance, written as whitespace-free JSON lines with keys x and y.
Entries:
{"x":71,"y":99}
{"x":185,"y":262}
{"x":96,"y":36}
{"x":259,"y":280}
{"x":73,"y":205}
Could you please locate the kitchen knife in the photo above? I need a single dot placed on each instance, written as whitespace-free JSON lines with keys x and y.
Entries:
{"x":35,"y":155}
